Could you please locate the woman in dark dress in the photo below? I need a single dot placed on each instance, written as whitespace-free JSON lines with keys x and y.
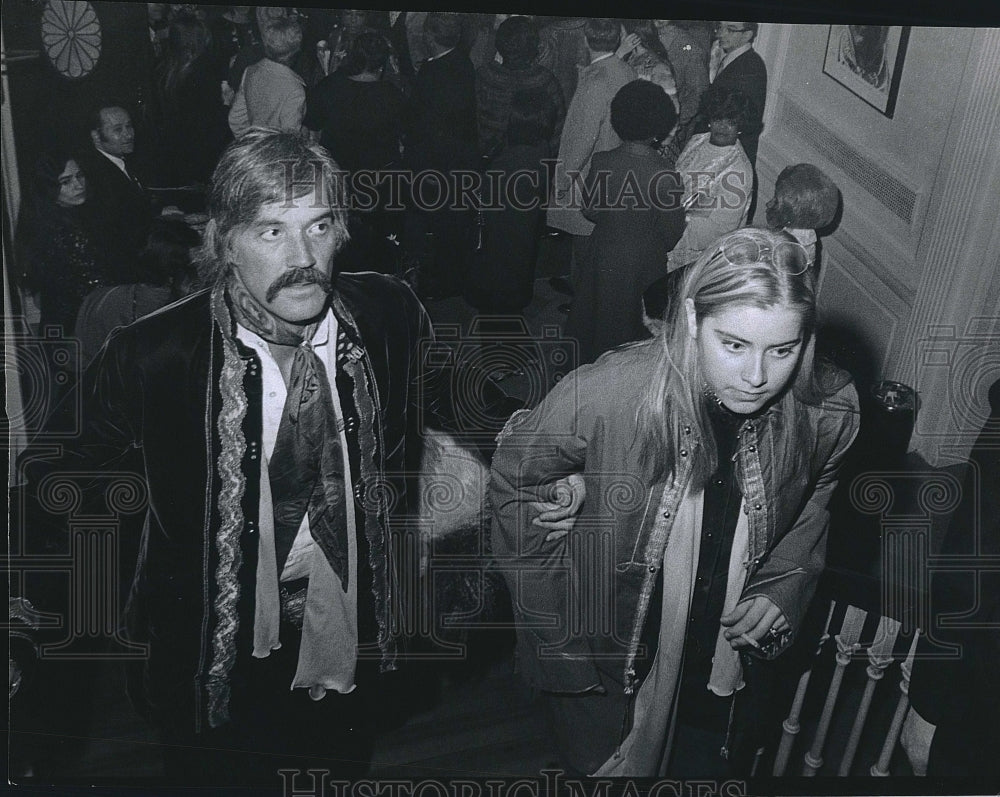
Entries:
{"x":190,"y":117}
{"x":634,"y":201}
{"x":358,"y":116}
{"x":59,"y":261}
{"x":58,"y":256}
{"x":502,"y":277}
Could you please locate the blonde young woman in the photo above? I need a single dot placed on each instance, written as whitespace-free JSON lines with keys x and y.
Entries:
{"x":702,"y":463}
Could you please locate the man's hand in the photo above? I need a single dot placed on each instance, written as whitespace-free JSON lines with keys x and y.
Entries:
{"x":752,"y":620}
{"x":559,"y":514}
{"x":916,"y":739}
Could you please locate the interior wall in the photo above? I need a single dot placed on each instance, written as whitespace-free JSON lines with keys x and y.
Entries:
{"x":883,"y":278}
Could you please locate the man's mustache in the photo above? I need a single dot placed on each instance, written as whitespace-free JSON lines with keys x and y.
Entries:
{"x":299,"y":276}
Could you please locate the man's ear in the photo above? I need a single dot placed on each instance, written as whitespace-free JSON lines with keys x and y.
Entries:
{"x":692,"y":318}
{"x":95,"y":136}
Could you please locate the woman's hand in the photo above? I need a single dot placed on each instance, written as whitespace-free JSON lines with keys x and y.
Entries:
{"x":559,"y":514}
{"x":752,"y":620}
{"x":629,"y":43}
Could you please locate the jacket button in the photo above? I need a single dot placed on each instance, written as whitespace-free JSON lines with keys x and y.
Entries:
{"x":753,"y":448}
{"x":687,"y":430}
{"x":652,"y":568}
{"x":757,"y":507}
{"x":684,"y":452}
{"x":253,"y":457}
{"x":666,"y":514}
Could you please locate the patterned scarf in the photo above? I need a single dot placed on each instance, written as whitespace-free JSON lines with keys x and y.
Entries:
{"x":306,"y":468}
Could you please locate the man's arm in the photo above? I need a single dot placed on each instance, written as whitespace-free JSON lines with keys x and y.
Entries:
{"x":536,"y":449}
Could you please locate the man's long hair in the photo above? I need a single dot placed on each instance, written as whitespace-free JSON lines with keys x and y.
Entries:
{"x":751,"y":268}
{"x":259,"y":168}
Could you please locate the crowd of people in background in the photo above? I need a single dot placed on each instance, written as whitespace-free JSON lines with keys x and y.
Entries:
{"x":634,"y":142}
{"x":412,"y":93}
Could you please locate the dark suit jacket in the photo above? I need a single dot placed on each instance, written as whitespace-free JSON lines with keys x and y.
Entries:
{"x":748,"y":74}
{"x":442,"y":128}
{"x":124,"y":208}
{"x":401,"y":46}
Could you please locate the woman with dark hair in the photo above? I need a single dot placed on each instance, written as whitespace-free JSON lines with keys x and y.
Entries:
{"x":329,"y":53}
{"x":700,"y":464}
{"x":641,"y":47}
{"x":501,"y":278}
{"x":718,"y":176}
{"x":57,"y":247}
{"x":634,"y":203}
{"x":358,"y":115}
{"x":517,"y":69}
{"x":187,"y":99}
{"x":164,"y":273}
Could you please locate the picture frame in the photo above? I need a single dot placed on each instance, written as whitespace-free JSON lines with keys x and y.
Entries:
{"x":867,"y":60}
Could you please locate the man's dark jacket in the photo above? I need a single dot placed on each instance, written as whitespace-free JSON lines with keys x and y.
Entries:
{"x":155,"y":406}
{"x":124,"y":207}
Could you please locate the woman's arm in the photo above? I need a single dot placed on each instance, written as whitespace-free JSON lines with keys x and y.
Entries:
{"x":788,"y":574}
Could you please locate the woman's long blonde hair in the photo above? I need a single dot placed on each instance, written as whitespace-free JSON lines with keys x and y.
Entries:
{"x":748,"y":267}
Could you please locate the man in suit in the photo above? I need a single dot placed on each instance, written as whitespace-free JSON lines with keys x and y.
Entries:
{"x":587,"y":130}
{"x":118,"y":196}
{"x":441,"y":138}
{"x":734,"y":64}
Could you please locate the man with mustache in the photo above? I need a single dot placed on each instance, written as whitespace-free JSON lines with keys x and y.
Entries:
{"x":273,"y":418}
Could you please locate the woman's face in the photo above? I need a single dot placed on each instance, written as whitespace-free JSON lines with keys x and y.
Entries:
{"x":72,"y":186}
{"x":724,"y":132}
{"x":747,"y":354}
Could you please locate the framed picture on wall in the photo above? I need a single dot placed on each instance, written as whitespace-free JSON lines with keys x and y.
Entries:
{"x":868,"y":61}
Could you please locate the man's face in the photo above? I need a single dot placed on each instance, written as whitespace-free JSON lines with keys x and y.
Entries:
{"x":284,"y":257}
{"x":747,"y":354}
{"x":732,"y":35}
{"x":115,"y":135}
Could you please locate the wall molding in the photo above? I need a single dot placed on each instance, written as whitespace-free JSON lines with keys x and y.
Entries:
{"x":894,"y":190}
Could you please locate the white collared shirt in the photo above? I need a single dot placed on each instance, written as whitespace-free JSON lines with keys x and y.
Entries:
{"x":275,"y":392}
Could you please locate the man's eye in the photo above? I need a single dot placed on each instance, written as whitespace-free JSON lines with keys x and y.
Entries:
{"x":270,"y":234}
{"x":733,"y":345}
{"x":783,"y":352}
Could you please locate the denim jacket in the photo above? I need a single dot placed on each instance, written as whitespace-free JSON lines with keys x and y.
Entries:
{"x":580,"y":602}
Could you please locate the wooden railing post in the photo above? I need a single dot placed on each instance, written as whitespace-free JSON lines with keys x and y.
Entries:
{"x":790,"y":727}
{"x":847,"y":645}
{"x":879,"y":657}
{"x":880,"y":768}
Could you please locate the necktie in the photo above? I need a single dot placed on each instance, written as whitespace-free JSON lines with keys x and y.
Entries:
{"x":306,"y":468}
